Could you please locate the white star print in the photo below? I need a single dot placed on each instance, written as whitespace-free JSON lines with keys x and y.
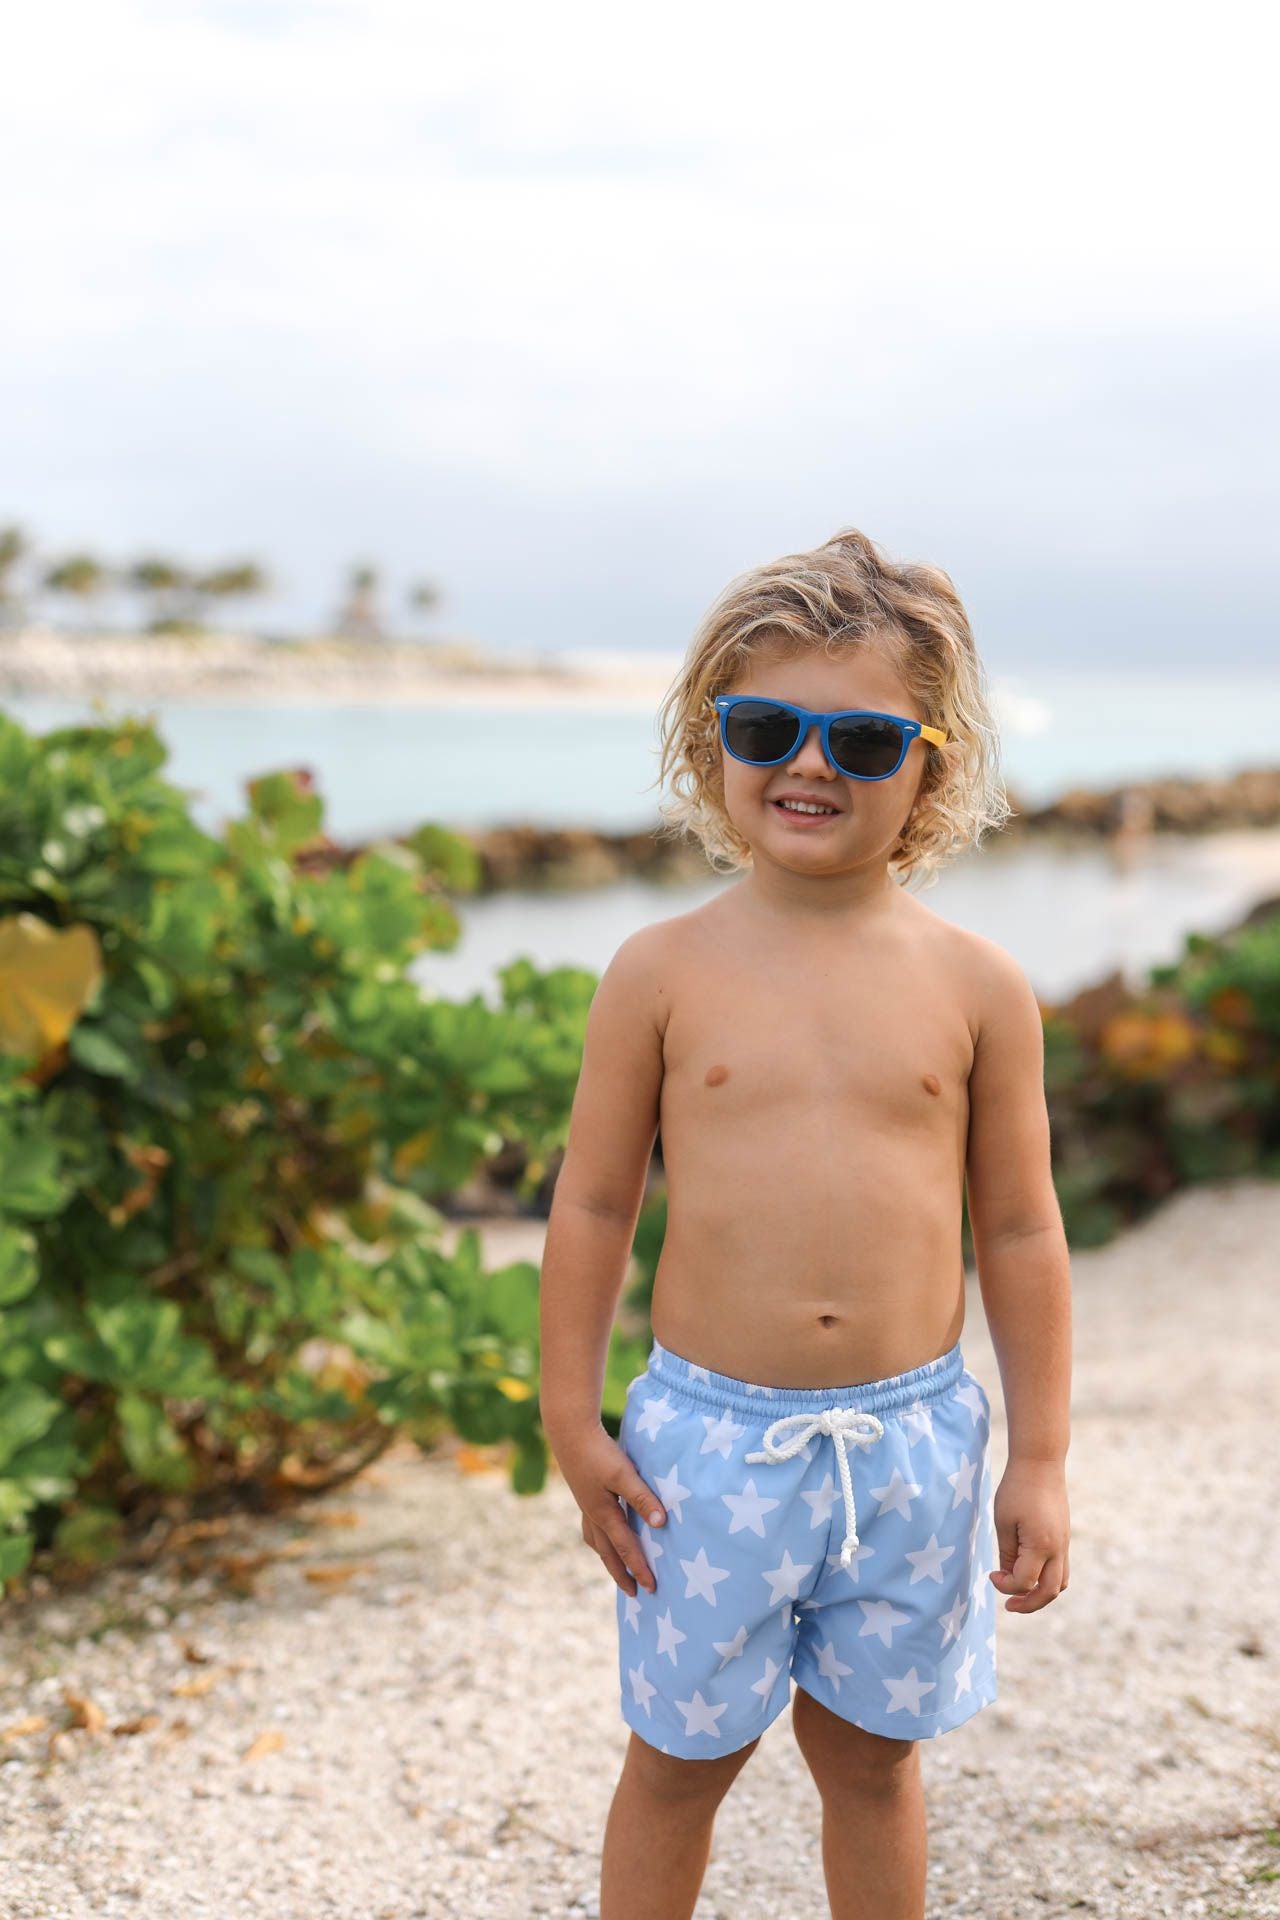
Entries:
{"x":882,"y":1618}
{"x":991,"y":1644}
{"x":642,"y":1689}
{"x":764,"y":1390}
{"x":671,"y":1493}
{"x":652,"y":1545}
{"x":631,"y":1607}
{"x":700,"y":1716}
{"x":964,"y":1672}
{"x":747,"y":1508}
{"x":669,"y":1636}
{"x":860,"y":1552}
{"x":702,"y":1577}
{"x":928,"y":1561}
{"x":655,"y":1416}
{"x":731,"y":1649}
{"x":980,"y":1591}
{"x":971,"y":1397}
{"x":830,"y":1666}
{"x":962,"y":1481}
{"x":908,"y":1691}
{"x":699,"y":1373}
{"x":921,"y":1418}
{"x":896,"y":1496}
{"x":764,"y":1685}
{"x":785,"y":1580}
{"x":821,"y":1502}
{"x":952,"y":1621}
{"x":721,"y":1434}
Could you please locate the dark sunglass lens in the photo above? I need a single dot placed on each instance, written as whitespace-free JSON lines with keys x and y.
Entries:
{"x":867,"y":747}
{"x":758,"y":730}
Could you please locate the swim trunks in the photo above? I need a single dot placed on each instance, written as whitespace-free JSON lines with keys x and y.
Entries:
{"x":841,"y":1535}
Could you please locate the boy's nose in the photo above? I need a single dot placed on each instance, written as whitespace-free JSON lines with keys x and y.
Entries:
{"x":809,"y":753}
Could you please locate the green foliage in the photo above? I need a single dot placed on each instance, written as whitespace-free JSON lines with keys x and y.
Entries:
{"x":1178,"y":1082}
{"x":226,"y":1110}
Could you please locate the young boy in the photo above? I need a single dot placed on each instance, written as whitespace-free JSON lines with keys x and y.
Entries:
{"x":805,"y":1457}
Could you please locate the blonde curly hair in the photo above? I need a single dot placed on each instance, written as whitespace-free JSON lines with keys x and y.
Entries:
{"x":838,"y":596}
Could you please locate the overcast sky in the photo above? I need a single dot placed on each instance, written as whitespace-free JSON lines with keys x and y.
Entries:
{"x":582,"y":311}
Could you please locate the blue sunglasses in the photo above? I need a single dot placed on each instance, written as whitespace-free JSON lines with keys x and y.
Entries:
{"x":863,"y":745}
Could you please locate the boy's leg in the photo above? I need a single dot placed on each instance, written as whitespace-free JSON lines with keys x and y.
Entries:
{"x":874,"y":1840}
{"x":658,"y":1836}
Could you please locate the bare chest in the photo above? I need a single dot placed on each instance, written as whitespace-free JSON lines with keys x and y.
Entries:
{"x":817,"y":1049}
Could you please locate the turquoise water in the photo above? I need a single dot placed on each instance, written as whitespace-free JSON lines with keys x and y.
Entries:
{"x":385,"y":769}
{"x":1067,"y":915}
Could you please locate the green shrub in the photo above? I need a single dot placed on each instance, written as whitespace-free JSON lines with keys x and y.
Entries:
{"x":226,"y":1111}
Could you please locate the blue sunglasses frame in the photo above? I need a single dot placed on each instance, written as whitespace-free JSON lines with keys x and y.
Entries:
{"x":911,"y":730}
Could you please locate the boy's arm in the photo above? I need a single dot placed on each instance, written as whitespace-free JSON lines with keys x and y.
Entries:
{"x":600,"y":1185}
{"x":1024,"y":1276}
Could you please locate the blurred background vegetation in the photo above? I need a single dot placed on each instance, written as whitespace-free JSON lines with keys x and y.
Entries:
{"x":232,"y":1127}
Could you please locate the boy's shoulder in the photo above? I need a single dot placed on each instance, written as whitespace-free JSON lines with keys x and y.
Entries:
{"x":995,"y":980}
{"x":988,"y":973}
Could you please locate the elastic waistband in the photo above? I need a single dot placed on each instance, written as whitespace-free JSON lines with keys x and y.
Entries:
{"x":702,"y":1385}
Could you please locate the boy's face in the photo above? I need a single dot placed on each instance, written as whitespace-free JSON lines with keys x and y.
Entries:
{"x":870,"y":814}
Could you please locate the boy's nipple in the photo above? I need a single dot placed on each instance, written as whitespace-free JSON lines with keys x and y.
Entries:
{"x":716,"y":1076}
{"x":931,"y":1083}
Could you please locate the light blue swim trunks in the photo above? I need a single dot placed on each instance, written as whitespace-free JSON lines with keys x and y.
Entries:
{"x":840,"y":1534}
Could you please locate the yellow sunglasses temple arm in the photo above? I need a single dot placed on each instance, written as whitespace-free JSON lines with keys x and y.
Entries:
{"x":936,"y":735}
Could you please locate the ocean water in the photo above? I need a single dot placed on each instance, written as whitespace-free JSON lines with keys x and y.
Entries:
{"x":386,"y":769}
{"x":1069,"y":915}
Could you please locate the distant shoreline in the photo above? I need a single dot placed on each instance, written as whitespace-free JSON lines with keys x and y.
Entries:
{"x":229,"y":668}
{"x":226,"y":668}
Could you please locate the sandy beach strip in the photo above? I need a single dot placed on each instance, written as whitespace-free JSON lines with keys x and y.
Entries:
{"x":429,"y":1727}
{"x":230,"y":669}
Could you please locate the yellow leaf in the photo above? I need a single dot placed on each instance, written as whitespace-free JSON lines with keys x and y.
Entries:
{"x":47,"y":977}
{"x":30,"y":1723}
{"x":269,"y":1741}
{"x":475,"y":1460}
{"x":514,"y":1389}
{"x":1145,"y":1044}
{"x":84,"y":1712}
{"x":1225,"y":1049}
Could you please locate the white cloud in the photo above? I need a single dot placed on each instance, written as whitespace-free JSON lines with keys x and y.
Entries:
{"x":901,"y":266}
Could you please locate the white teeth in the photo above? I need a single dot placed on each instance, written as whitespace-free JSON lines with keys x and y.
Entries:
{"x":803,"y":806}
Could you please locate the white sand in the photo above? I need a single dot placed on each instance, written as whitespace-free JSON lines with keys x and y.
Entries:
{"x":449,"y":1729}
{"x":232,"y":669}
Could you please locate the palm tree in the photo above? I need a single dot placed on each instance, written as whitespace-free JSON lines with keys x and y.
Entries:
{"x":14,"y":548}
{"x":169,"y":587}
{"x":424,"y":596}
{"x":360,"y":616}
{"x":240,"y":580}
{"x":80,"y":577}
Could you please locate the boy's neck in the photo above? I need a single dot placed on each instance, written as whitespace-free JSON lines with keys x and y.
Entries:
{"x":826,"y":898}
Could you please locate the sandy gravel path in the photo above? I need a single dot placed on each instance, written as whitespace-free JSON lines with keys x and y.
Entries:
{"x":429,"y":1728}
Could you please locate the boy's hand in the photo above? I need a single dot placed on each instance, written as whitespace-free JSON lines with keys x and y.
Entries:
{"x":600,"y":1477}
{"x":1032,"y":1530}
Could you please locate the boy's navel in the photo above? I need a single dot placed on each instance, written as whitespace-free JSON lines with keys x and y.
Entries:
{"x":716,"y":1076}
{"x":931,"y":1083}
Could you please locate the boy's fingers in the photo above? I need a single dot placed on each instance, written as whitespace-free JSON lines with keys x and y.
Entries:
{"x":637,"y":1496}
{"x":613,"y":1527}
{"x":631,"y":1553}
{"x":615,"y":1566}
{"x":1024,"y":1574}
{"x":1048,"y":1588}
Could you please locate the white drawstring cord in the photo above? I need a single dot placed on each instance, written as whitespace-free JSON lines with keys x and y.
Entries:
{"x":842,"y":1423}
